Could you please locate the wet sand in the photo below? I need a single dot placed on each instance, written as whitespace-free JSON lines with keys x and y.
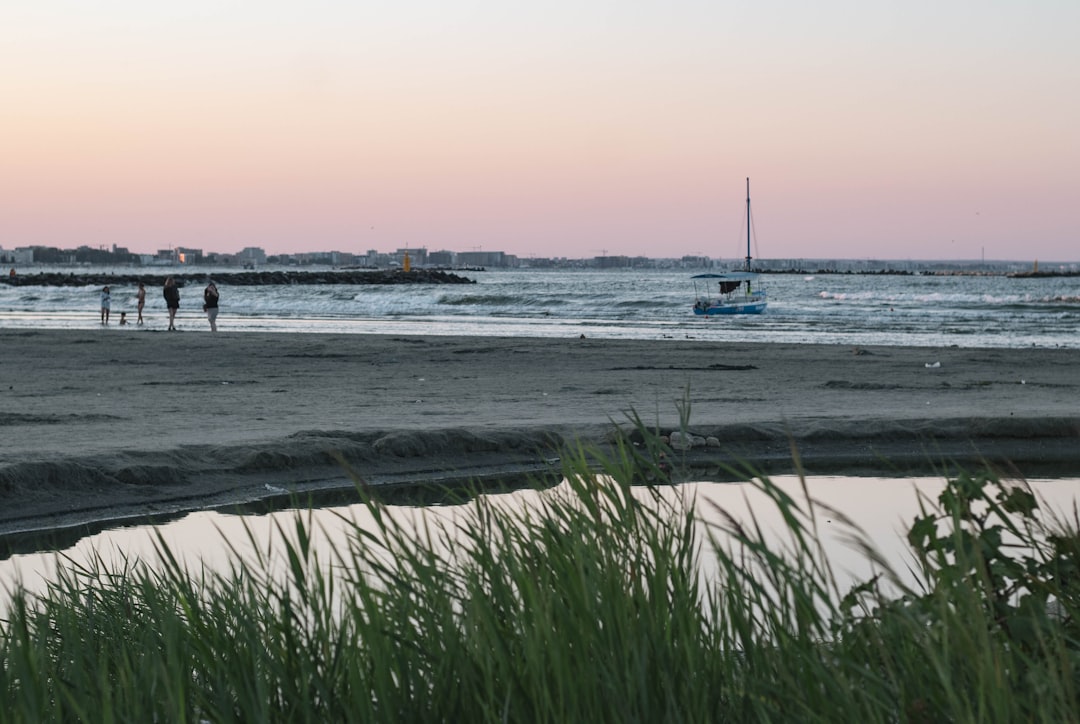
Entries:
{"x":122,"y":422}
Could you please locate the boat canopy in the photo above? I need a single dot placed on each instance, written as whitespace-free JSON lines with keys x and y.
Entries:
{"x":729,"y":276}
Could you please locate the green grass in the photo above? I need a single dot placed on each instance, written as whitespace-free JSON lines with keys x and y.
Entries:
{"x":588,"y":606}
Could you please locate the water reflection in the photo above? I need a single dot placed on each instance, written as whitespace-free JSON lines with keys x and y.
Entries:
{"x":883,"y":508}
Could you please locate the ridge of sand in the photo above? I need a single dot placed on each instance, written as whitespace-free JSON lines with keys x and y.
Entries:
{"x":114,"y":423}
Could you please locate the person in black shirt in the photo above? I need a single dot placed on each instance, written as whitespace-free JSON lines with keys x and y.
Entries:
{"x":210,"y":305}
{"x":172,"y":301}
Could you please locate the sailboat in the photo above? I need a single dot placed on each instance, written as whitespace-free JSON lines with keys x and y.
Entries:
{"x":734,"y":292}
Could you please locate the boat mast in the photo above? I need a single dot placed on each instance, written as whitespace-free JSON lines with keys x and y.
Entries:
{"x":747,"y":223}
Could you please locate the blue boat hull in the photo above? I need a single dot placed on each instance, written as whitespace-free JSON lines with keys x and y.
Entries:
{"x":714,"y":310}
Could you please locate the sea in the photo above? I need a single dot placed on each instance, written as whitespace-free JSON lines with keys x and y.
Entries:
{"x":833,"y":308}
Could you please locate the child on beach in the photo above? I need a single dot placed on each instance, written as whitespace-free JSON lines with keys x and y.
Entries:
{"x":106,"y":302}
{"x":123,"y":318}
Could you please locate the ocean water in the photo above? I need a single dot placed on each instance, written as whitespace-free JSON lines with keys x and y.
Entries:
{"x":928,"y":311}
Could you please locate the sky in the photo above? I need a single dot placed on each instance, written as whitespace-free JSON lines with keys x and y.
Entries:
{"x":899,"y":130}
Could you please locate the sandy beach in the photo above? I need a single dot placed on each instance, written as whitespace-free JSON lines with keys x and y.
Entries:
{"x":125,"y":423}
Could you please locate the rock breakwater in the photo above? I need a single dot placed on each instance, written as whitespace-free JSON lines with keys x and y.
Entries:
{"x":243,"y":278}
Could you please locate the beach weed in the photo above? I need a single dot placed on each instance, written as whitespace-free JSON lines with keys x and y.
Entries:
{"x":588,"y":603}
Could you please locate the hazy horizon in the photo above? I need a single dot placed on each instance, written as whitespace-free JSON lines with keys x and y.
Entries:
{"x":1045,"y":264}
{"x":913,"y":131}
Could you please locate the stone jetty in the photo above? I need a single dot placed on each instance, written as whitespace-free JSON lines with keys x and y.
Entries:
{"x":243,"y":278}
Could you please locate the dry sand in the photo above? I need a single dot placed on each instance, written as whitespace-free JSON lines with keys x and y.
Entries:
{"x":113,"y":423}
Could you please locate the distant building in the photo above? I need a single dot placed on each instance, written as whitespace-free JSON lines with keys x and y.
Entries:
{"x":251,"y":255}
{"x":692,"y":261}
{"x":316,"y":257}
{"x":22,"y":255}
{"x":540,"y":262}
{"x":93,"y":255}
{"x":611,"y":262}
{"x":481,"y":258}
{"x":185,"y":255}
{"x":374,"y":259}
{"x":441,"y":258}
{"x":342,"y":258}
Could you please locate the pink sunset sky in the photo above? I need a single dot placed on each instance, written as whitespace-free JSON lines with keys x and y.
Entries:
{"x":890,"y":130}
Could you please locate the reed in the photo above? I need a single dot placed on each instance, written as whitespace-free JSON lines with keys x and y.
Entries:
{"x":588,"y":605}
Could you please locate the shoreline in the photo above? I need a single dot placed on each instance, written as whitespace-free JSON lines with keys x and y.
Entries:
{"x":127,"y":426}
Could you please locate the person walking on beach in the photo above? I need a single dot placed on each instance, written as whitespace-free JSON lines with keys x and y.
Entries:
{"x":140,"y":297}
{"x":210,"y":304}
{"x":172,"y":301}
{"x":106,"y":302}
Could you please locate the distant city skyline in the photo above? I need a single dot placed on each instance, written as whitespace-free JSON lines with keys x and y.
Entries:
{"x":421,"y":256}
{"x":898,"y":131}
{"x":1074,"y":258}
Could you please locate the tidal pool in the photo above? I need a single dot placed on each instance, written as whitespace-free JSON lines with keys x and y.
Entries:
{"x":883,"y":508}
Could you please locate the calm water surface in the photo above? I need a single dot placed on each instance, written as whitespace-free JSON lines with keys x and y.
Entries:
{"x":883,"y":508}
